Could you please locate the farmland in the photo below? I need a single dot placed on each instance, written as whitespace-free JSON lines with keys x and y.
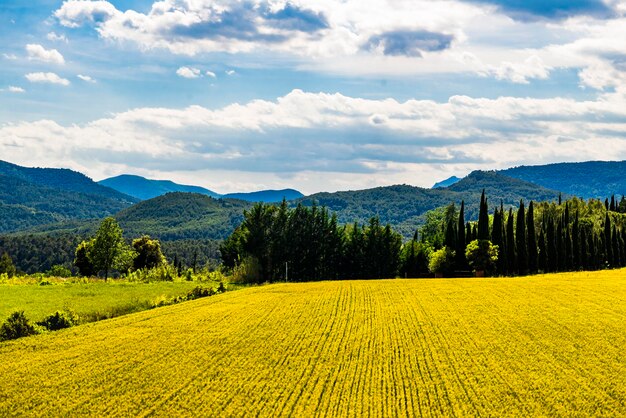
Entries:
{"x":92,"y":300}
{"x":550,"y":345}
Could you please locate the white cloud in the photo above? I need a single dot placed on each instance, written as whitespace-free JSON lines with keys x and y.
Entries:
{"x":210,"y":74}
{"x":52,"y":36}
{"x":39,"y":53}
{"x":10,"y":57}
{"x":86,"y":78}
{"x":188,"y":72}
{"x":14,"y":89}
{"x":332,"y":141}
{"x":230,"y":72}
{"x":51,"y":78}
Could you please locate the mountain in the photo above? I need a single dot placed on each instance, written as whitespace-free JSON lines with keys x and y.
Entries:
{"x":143,"y":188}
{"x":267,"y":196}
{"x":180,"y":215}
{"x":447,"y":182}
{"x":63,"y":179}
{"x":592,"y":179}
{"x":37,"y":196}
{"x":403,"y":206}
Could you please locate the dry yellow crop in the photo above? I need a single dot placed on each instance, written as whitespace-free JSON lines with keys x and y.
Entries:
{"x":541,"y":346}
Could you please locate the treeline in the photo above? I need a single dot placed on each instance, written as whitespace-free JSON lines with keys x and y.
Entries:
{"x":548,"y":237}
{"x":306,"y":243}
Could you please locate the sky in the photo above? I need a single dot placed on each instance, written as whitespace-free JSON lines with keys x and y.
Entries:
{"x":316,"y":95}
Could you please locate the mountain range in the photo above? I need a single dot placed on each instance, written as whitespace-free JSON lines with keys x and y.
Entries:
{"x":45,"y":200}
{"x":144,"y":189}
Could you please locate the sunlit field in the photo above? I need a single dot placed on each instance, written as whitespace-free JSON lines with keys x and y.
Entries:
{"x":552,"y":345}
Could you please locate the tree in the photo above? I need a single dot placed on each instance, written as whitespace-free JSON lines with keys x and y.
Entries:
{"x":461,"y":262}
{"x":481,"y":255}
{"x":510,"y":244}
{"x":109,"y":250}
{"x":520,"y":240}
{"x":532,"y":239}
{"x":441,"y":261}
{"x":82,"y":260}
{"x":483,"y":218}
{"x":6,"y":265}
{"x":498,"y":238}
{"x":149,"y":254}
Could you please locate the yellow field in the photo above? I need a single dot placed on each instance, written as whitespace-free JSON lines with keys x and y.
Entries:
{"x":541,"y":346}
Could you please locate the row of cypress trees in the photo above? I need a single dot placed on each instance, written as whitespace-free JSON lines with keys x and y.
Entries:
{"x":556,"y":241}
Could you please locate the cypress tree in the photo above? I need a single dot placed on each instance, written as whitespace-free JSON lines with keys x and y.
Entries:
{"x":474,"y":232}
{"x":560,"y":245}
{"x":520,"y":240}
{"x":483,"y":219}
{"x":461,"y":243}
{"x":468,"y":232}
{"x":552,"y":263}
{"x":510,"y":244}
{"x":606,"y":203}
{"x":450,"y":235}
{"x":569,"y":259}
{"x":576,"y":243}
{"x":616,"y":248}
{"x":560,"y":199}
{"x":612,"y":205}
{"x":497,"y":238}
{"x":532,"y":239}
{"x":542,"y":259}
{"x":584,"y":263}
{"x":608,"y":250}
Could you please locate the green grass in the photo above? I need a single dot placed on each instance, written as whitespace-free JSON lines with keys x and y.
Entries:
{"x":91,"y":301}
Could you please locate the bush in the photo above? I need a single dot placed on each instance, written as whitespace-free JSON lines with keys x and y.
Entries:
{"x":59,"y":271}
{"x":442,"y":261}
{"x":163,"y":273}
{"x":249,"y":271}
{"x":59,"y":320}
{"x":44,"y":282}
{"x":16,"y":326}
{"x":200,"y":292}
{"x":481,"y":255}
{"x":221,"y":288}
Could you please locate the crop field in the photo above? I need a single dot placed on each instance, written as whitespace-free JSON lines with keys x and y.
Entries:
{"x":539,"y":346}
{"x":91,"y":301}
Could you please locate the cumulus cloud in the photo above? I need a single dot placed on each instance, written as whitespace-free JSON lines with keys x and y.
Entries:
{"x":52,"y":36}
{"x":551,"y":10}
{"x":39,"y":53}
{"x":51,"y":78}
{"x":14,"y":89}
{"x":409,"y":43}
{"x":10,"y":57}
{"x":211,"y":74}
{"x":86,"y":78}
{"x":189,"y":72}
{"x":332,"y":133}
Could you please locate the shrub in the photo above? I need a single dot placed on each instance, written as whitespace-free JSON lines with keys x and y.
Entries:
{"x":59,"y":320}
{"x":221,"y":288}
{"x":249,"y":271}
{"x":59,"y":271}
{"x":44,"y":282}
{"x":441,"y":261}
{"x":200,"y":292}
{"x":16,"y":326}
{"x":481,"y":255}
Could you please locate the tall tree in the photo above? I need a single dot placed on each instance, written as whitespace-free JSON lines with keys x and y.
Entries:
{"x":461,"y":243}
{"x":109,"y":251}
{"x":497,"y":237}
{"x":510,"y":244}
{"x":532,"y":239}
{"x":607,"y":239}
{"x":520,"y":240}
{"x":576,"y":242}
{"x":483,"y":218}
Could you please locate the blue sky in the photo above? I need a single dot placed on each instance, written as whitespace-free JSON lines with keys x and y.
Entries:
{"x":318,"y":95}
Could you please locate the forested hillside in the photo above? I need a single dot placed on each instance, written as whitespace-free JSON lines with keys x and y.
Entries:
{"x":593,"y":179}
{"x":403,"y":206}
{"x":183,"y":216}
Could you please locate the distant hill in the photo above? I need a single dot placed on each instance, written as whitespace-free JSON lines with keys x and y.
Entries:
{"x":446,"y":183}
{"x":593,"y":179}
{"x":268,"y":196}
{"x":179,"y":215}
{"x":64,"y":179}
{"x":403,"y":206}
{"x":37,"y":196}
{"x":143,"y":188}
